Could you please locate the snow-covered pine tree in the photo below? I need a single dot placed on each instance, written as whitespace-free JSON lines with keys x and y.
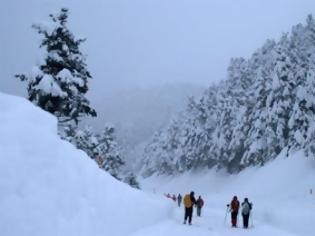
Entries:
{"x":109,"y":152}
{"x":309,"y":145}
{"x":86,"y":140}
{"x":102,"y":147}
{"x":256,"y":142}
{"x":159,"y":155}
{"x":238,"y":93}
{"x":149,"y":163}
{"x":132,"y":180}
{"x":302,"y":119}
{"x":59,"y":84}
{"x":196,"y":147}
{"x":280,"y":100}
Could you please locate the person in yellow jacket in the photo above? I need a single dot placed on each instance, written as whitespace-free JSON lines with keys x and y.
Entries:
{"x":189,"y":201}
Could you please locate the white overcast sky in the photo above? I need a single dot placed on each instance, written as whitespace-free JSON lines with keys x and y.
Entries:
{"x":133,"y":43}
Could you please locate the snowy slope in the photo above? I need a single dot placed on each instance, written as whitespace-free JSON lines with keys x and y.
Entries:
{"x":47,"y":187}
{"x":280,"y":192}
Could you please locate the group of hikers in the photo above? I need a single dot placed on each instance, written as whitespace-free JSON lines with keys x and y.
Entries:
{"x":234,"y":207}
{"x":173,"y":197}
{"x":189,"y":202}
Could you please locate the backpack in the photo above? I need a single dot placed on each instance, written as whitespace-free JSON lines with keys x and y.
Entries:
{"x":200,"y":203}
{"x":245,"y":208}
{"x":187,"y":201}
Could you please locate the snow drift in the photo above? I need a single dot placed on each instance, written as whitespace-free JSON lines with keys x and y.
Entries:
{"x":47,"y":187}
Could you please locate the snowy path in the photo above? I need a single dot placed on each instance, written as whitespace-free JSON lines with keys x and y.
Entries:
{"x":210,"y":223}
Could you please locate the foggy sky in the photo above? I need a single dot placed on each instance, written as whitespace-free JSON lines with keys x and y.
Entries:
{"x":133,"y":43}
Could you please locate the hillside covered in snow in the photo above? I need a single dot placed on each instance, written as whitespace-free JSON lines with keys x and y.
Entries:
{"x":264,"y":107}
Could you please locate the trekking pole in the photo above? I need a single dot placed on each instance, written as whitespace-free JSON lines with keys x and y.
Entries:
{"x":251,"y":218}
{"x":251,"y":215}
{"x":227,"y":210}
{"x":238,"y":218}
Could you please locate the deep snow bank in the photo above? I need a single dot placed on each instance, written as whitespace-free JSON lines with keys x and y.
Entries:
{"x":47,"y":187}
{"x":280,"y":191}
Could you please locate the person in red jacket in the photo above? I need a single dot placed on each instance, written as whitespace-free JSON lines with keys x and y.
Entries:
{"x":199,"y":205}
{"x":234,"y":207}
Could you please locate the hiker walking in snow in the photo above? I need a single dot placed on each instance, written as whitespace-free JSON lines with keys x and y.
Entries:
{"x":174,"y":198}
{"x":234,"y":207}
{"x":179,"y":199}
{"x":189,"y":200}
{"x":199,"y":205}
{"x":246,"y":208}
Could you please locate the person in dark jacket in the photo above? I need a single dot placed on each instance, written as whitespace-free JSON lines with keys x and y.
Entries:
{"x":189,"y":201}
{"x":179,"y":199}
{"x":246,"y":208}
{"x":234,"y":207}
{"x":199,"y":205}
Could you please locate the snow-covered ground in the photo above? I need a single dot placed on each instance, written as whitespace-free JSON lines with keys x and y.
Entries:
{"x":280,"y":193}
{"x":47,"y":187}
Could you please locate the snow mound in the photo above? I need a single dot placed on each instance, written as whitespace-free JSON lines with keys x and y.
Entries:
{"x":47,"y":187}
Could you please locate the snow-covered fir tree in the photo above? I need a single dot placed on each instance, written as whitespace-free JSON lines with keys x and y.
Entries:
{"x":109,"y":152}
{"x":101,"y":147}
{"x":85,"y":139}
{"x":265,"y":107}
{"x":59,"y":84}
{"x":132,"y":180}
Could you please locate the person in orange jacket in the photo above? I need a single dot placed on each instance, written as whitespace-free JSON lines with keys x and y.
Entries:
{"x":189,"y":201}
